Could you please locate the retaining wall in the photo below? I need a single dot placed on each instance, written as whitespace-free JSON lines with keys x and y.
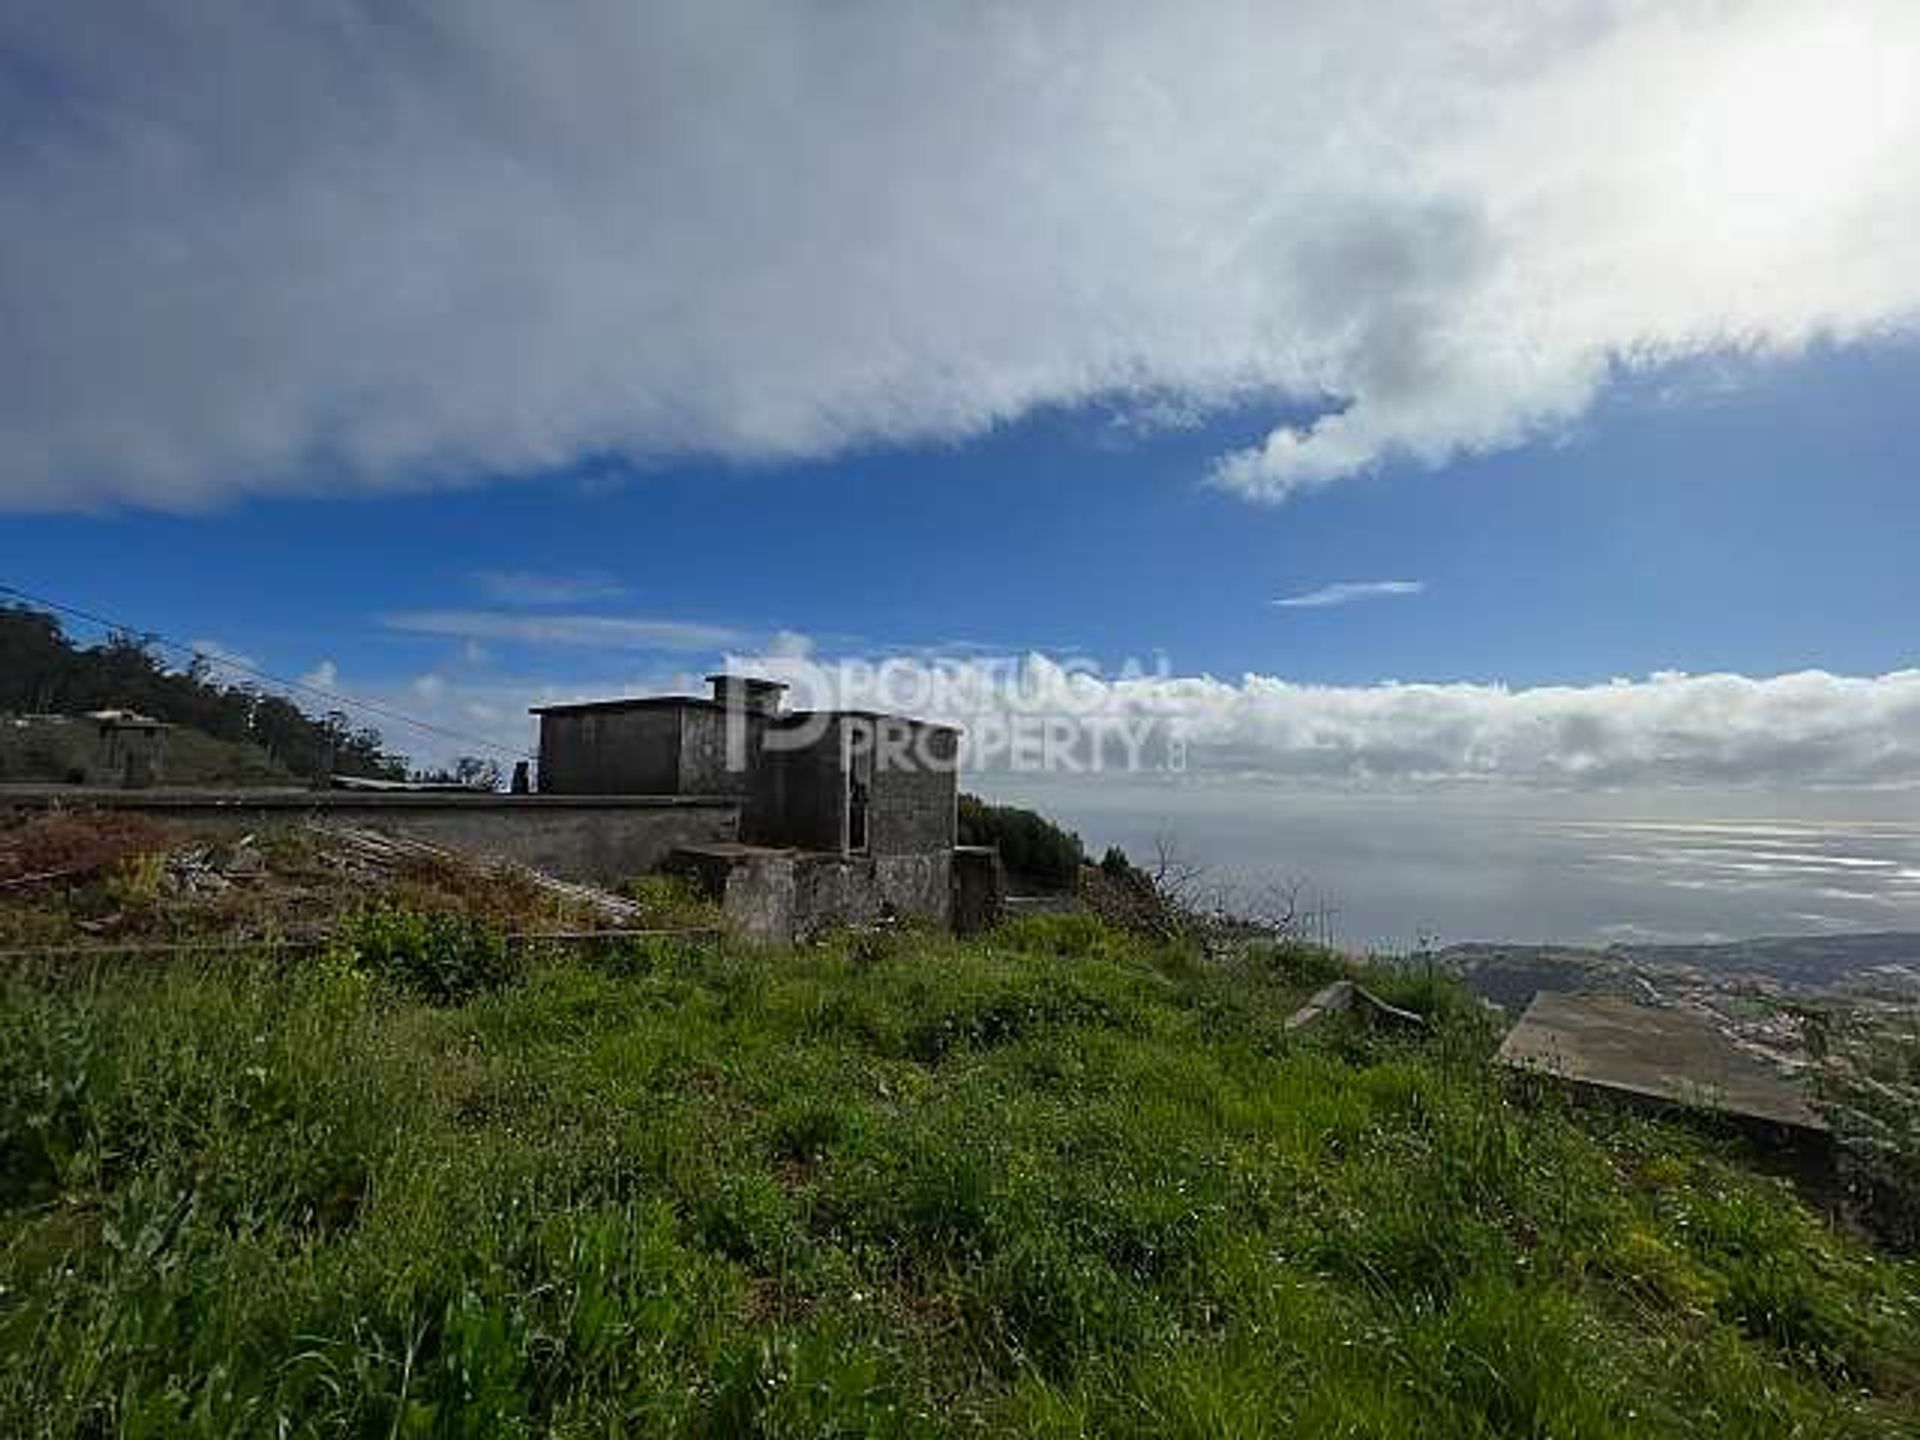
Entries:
{"x":603,"y":839}
{"x":783,"y":895}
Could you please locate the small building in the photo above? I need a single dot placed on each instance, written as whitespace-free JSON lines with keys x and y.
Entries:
{"x":650,"y":745}
{"x":846,"y":815}
{"x":850,"y":782}
{"x":130,"y":748}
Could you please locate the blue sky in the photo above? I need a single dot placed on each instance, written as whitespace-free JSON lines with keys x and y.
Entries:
{"x":1012,"y":364}
{"x":459,"y":358}
{"x":1757,"y":518}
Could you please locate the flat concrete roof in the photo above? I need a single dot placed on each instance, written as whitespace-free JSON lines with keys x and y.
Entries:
{"x":637,"y":702}
{"x":731,"y":850}
{"x":701,"y":702}
{"x":747,"y":682}
{"x":1610,"y":1043}
{"x":158,"y":798}
{"x":801,"y":716}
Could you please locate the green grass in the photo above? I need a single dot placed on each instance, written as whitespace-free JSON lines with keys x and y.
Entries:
{"x":1050,"y":1183}
{"x":53,"y":753}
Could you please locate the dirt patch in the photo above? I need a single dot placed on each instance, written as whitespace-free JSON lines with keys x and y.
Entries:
{"x":60,"y":845}
{"x":109,"y":879}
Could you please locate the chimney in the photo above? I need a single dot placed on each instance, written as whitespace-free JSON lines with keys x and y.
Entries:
{"x":746,"y":692}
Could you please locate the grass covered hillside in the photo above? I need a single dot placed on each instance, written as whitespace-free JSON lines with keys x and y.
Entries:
{"x":1051,"y":1182}
{"x":65,"y":749}
{"x":44,"y":671}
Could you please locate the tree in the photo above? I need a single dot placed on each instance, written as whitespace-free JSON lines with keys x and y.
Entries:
{"x":478,"y":773}
{"x":473,"y":771}
{"x":42,"y":671}
{"x":1031,"y":846}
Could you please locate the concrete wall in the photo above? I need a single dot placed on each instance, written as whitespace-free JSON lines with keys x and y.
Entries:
{"x":799,"y":795}
{"x":783,"y":895}
{"x":979,"y":889}
{"x":611,"y":752}
{"x":649,"y":749}
{"x":792,"y":774}
{"x":706,"y":767}
{"x":916,"y":886}
{"x":915,"y":805}
{"x":132,"y":755}
{"x":754,"y":887}
{"x":602,"y":839}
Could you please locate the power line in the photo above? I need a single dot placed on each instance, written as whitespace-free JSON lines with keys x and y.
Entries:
{"x":332,"y":697}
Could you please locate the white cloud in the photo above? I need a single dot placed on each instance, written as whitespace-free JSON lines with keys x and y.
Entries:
{"x":1346,"y":592}
{"x":464,"y":714}
{"x":1806,"y":728}
{"x":1792,"y":731}
{"x":243,"y":249}
{"x":790,"y":644}
{"x":224,"y":658}
{"x":324,"y":676}
{"x":606,"y":632}
{"x":532,"y":588}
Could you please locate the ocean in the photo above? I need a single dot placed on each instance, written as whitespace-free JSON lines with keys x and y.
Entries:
{"x":1393,"y":870}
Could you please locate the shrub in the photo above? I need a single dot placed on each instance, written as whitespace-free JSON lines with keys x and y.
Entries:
{"x":45,"y":1053}
{"x":1031,"y":846}
{"x":1066,"y":933}
{"x":135,"y":882}
{"x":672,"y":902}
{"x":1294,"y":962}
{"x":443,"y":957}
{"x":60,"y":841}
{"x":1868,"y":1082}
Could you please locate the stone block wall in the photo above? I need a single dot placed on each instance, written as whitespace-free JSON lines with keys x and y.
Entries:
{"x":915,"y":804}
{"x":783,"y":895}
{"x":706,"y":765}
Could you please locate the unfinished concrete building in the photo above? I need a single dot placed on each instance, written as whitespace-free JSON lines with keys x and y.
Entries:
{"x":793,"y":819}
{"x":846,"y":816}
{"x":132,"y":748}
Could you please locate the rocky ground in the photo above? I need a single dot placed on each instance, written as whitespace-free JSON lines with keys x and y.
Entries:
{"x":99,"y":880}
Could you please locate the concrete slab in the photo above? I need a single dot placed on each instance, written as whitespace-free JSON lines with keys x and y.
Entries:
{"x":1345,"y":997}
{"x":1609,"y":1043}
{"x":734,"y":852}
